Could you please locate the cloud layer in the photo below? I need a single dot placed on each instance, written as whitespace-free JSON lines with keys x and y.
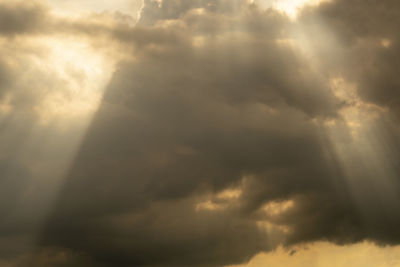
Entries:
{"x":226,"y":130}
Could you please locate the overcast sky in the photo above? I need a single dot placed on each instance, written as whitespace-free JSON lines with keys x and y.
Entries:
{"x":206,"y":133}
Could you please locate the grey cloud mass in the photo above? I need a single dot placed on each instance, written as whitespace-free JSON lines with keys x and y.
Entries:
{"x":17,"y":17}
{"x":368,"y":33}
{"x":213,"y":140}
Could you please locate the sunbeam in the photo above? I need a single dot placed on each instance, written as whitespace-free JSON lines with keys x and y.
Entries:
{"x":46,"y":111}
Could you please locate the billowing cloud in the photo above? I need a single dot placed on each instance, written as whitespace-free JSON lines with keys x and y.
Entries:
{"x":225,"y":129}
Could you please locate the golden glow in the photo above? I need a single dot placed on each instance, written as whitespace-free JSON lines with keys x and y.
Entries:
{"x":209,"y":205}
{"x":219,"y":201}
{"x":289,"y":7}
{"x":386,"y":43}
{"x":230,"y":194}
{"x":357,"y":112}
{"x":277,"y":208}
{"x":273,"y":229}
{"x":5,"y":105}
{"x":329,"y":255}
{"x":82,"y":74}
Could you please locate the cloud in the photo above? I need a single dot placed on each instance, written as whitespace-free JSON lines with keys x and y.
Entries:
{"x":18,"y":17}
{"x":369,"y":38}
{"x":181,"y":120}
{"x":221,"y":134}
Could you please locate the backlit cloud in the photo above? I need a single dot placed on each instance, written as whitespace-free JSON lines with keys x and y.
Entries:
{"x":197,"y":132}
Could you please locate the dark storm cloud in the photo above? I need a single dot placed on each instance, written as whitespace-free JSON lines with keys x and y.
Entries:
{"x":183,"y":119}
{"x":213,"y":97}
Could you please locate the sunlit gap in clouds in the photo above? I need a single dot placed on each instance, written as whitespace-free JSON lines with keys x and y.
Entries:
{"x":85,"y":74}
{"x":289,"y":7}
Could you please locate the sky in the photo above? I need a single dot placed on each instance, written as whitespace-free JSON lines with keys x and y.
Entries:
{"x":208,"y":133}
